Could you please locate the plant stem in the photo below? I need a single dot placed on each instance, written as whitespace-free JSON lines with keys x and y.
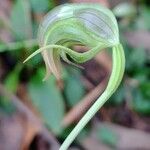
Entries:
{"x":114,"y":81}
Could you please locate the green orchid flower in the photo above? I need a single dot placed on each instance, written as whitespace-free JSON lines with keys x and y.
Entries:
{"x":86,"y":24}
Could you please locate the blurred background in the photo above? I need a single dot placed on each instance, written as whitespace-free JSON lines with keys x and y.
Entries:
{"x":37,"y":115}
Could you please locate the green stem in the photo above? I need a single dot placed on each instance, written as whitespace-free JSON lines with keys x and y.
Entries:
{"x":114,"y":81}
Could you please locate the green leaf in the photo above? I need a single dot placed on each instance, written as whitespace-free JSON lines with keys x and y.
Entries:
{"x":107,"y":136}
{"x":118,"y":97}
{"x":18,"y":45}
{"x":11,"y":83}
{"x":142,"y":23}
{"x":74,"y":89}
{"x":40,"y":6}
{"x":139,"y":52}
{"x":12,"y":80}
{"x":141,"y":104}
{"x":6,"y":106}
{"x":145,"y":87}
{"x":21,"y":20}
{"x":133,"y":64}
{"x":48,"y":99}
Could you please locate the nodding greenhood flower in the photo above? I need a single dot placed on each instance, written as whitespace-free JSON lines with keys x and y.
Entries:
{"x":85,"y":24}
{"x":75,"y":24}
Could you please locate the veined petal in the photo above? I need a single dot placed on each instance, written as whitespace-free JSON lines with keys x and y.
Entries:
{"x":47,"y":64}
{"x":52,"y":61}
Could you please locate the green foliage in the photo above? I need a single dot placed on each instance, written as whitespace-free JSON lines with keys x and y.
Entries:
{"x":143,"y":21}
{"x":6,"y":106}
{"x":73,"y":85}
{"x":107,"y":136}
{"x":141,"y":97}
{"x":48,"y":99}
{"x":12,"y":80}
{"x":140,"y":104}
{"x":21,"y":24}
{"x":41,"y":6}
{"x":132,"y":63}
{"x":118,"y":97}
{"x":145,"y":87}
{"x":138,"y":70}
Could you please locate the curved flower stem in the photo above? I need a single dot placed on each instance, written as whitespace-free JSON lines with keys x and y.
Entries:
{"x":114,"y":81}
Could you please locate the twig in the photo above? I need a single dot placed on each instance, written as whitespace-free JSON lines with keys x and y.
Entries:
{"x":89,"y":86}
{"x":32,"y":118}
{"x":83,"y":105}
{"x":104,"y":59}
